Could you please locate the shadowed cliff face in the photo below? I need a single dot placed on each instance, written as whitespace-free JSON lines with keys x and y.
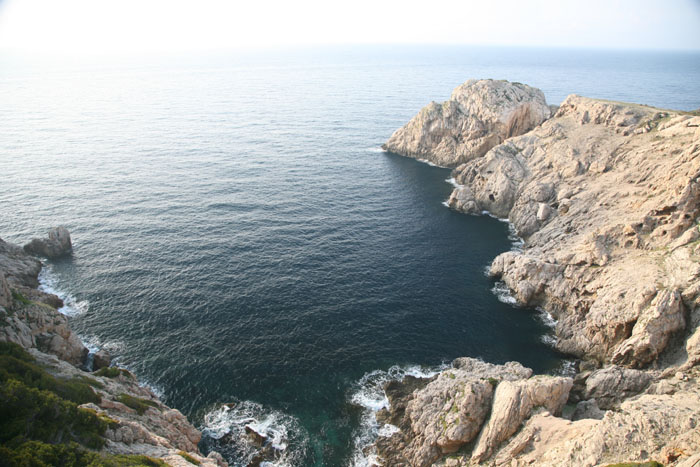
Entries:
{"x":479,"y":115}
{"x":606,"y":196}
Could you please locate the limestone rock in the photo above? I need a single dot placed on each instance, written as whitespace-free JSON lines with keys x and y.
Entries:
{"x":451,"y":410}
{"x":609,"y":386}
{"x":57,"y":244}
{"x":513,"y":403}
{"x":101,"y":359}
{"x":479,"y":115}
{"x":41,"y":326}
{"x":19,"y":268}
{"x":608,"y":216}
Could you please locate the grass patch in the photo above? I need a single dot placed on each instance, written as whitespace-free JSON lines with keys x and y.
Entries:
{"x":136,"y":403}
{"x":188,"y":458}
{"x":493,"y":382}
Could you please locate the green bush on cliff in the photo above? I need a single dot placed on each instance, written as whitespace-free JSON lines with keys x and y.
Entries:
{"x":37,"y":406}
{"x":17,"y":364}
{"x":112,"y":372}
{"x":136,"y":403}
{"x":36,"y":453}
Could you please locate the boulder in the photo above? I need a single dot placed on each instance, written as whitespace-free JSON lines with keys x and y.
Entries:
{"x":479,"y":115}
{"x":101,"y":359}
{"x":56,"y":245}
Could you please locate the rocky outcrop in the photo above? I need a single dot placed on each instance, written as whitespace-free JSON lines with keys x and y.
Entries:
{"x":479,"y":115}
{"x":57,"y":244}
{"x":606,"y":197}
{"x":473,"y":401}
{"x":138,"y":422}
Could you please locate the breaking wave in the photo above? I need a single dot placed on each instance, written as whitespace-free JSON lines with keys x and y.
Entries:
{"x":246,"y":432}
{"x":368,"y":394}
{"x":48,"y":282}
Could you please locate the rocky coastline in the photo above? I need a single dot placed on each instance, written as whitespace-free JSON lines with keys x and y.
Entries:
{"x":100,"y":415}
{"x":606,"y":197}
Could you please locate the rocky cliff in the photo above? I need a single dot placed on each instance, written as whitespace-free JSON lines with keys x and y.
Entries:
{"x":478,"y":116}
{"x":104,"y":417}
{"x":606,"y":197}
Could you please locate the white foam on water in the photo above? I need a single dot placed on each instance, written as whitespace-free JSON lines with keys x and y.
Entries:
{"x":48,"y":282}
{"x":370,"y":396}
{"x":503,"y":293}
{"x":546,"y":318}
{"x":227,"y":424}
{"x":376,"y":150}
{"x":452,"y":181}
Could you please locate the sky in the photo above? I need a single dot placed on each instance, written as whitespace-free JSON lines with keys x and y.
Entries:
{"x":101,"y":27}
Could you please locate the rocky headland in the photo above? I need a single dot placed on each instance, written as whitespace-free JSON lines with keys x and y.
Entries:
{"x":56,"y":411}
{"x":606,"y":197}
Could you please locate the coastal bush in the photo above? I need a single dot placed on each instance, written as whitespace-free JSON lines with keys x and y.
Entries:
{"x":17,"y":364}
{"x":36,"y":453}
{"x":37,"y":406}
{"x":136,"y":403}
{"x":112,"y":372}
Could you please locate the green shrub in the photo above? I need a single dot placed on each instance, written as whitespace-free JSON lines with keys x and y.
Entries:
{"x":36,"y":453}
{"x":112,"y":372}
{"x":17,"y":364}
{"x":136,"y":403}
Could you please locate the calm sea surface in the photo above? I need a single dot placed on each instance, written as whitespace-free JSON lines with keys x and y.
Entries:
{"x":239,"y":237}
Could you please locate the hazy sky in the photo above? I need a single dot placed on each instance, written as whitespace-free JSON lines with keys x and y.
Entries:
{"x":80,"y":27}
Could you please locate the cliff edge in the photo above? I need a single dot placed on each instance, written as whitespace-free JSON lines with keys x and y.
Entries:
{"x":606,"y":197}
{"x":55,"y":412}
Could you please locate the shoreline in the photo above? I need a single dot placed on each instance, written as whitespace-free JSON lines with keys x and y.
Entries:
{"x":605,"y":196}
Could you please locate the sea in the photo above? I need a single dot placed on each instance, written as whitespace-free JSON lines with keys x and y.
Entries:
{"x":245,"y":247}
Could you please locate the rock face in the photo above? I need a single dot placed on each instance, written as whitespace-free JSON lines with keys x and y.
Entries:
{"x":606,"y":197}
{"x":57,"y":244}
{"x":479,"y":115}
{"x":472,"y":401}
{"x":29,"y":317}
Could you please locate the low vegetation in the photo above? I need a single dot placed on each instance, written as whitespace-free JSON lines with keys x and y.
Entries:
{"x":136,"y":403}
{"x":41,"y":423}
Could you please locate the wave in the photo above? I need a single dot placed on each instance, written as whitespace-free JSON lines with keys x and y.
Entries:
{"x":49,"y":283}
{"x":368,"y":393}
{"x":376,"y":150}
{"x":284,"y":441}
{"x":503,"y":293}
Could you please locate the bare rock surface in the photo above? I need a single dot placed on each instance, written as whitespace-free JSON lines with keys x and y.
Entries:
{"x":471,"y":400}
{"x":479,"y":115}
{"x":56,"y":245}
{"x":606,"y":197}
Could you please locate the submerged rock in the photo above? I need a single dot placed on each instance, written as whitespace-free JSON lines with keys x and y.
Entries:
{"x":479,"y":115}
{"x":57,"y":244}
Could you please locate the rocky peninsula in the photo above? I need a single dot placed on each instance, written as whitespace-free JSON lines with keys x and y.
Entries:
{"x":606,"y":197}
{"x":57,"y":411}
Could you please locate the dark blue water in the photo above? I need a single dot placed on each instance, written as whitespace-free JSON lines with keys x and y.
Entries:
{"x":239,"y":238}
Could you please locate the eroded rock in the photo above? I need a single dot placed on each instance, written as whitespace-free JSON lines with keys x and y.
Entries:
{"x":479,"y":115}
{"x":57,"y":244}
